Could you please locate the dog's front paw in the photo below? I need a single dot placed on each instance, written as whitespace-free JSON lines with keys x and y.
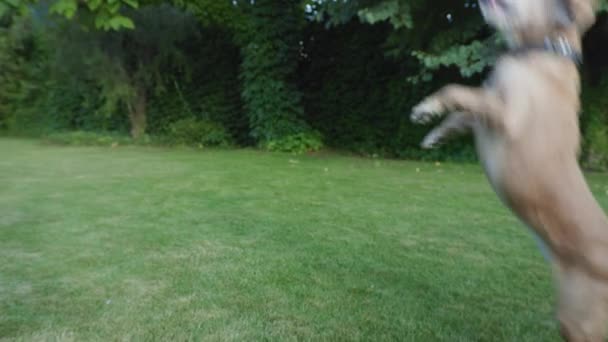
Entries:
{"x":431,"y":140}
{"x":426,"y":111}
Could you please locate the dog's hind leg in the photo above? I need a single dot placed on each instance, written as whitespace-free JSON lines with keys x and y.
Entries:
{"x":583,"y":305}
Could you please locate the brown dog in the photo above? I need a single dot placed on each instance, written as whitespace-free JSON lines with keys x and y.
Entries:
{"x":525,"y":122}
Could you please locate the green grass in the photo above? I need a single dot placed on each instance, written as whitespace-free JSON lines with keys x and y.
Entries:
{"x":139,"y":243}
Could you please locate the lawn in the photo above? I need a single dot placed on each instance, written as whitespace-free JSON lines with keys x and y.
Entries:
{"x":151,"y":244}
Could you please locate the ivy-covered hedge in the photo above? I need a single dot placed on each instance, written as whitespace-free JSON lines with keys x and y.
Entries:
{"x":270,"y":51}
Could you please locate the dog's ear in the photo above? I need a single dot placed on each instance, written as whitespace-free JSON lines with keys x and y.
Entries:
{"x":563,"y":13}
{"x":581,"y":12}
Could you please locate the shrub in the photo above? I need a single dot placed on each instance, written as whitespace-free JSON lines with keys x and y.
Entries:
{"x":196,"y":132}
{"x":594,"y":122}
{"x":596,"y":145}
{"x":296,"y":143}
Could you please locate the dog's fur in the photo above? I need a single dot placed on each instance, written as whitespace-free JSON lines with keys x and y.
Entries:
{"x":525,"y":123}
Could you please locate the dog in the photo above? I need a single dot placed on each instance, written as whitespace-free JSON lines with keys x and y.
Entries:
{"x":525,"y":123}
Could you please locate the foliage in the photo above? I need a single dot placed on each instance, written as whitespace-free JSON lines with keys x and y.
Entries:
{"x":346,"y":88}
{"x":101,"y":14}
{"x":227,"y":14}
{"x":296,"y":143}
{"x":357,"y":97}
{"x":151,"y":62}
{"x":12,"y":61}
{"x":470,"y":59}
{"x":23,"y":76}
{"x":597,"y":145}
{"x":95,"y":68}
{"x":595,"y":125}
{"x":446,"y":34}
{"x":270,"y":54}
{"x":199,"y":133}
{"x":281,"y":75}
{"x":83,"y":80}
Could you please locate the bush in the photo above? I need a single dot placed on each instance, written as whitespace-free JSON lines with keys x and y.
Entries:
{"x":594,"y":122}
{"x":296,"y":143}
{"x":195,"y":132}
{"x":596,"y":156}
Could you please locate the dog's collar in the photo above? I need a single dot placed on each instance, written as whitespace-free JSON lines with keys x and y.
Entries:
{"x":562,"y":47}
{"x":559,"y":46}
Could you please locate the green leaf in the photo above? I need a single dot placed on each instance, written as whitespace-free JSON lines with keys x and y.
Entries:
{"x":101,"y":20}
{"x":93,"y":4}
{"x":120,"y":22}
{"x":113,"y":8}
{"x":380,"y":12}
{"x":66,"y":8}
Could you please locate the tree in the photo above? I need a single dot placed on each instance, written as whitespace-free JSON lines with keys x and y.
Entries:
{"x":128,"y":66}
{"x":444,"y":33}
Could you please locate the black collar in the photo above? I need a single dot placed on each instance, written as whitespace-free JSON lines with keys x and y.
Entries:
{"x":559,"y":46}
